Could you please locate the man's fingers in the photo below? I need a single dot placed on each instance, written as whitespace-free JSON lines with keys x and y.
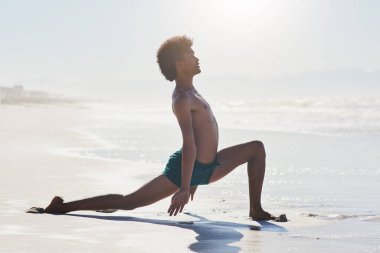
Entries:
{"x":171,"y":207}
{"x":172,"y":211}
{"x":179,"y":209}
{"x":176,"y":208}
{"x":176,"y":211}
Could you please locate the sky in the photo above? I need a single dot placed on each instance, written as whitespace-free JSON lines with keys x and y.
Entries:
{"x":83,"y":45}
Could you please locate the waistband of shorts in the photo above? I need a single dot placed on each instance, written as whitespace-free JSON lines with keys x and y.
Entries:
{"x":178,"y":154}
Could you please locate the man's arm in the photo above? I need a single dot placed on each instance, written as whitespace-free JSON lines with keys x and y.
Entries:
{"x":182,"y":110}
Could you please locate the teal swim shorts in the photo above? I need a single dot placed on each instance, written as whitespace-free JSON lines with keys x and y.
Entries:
{"x":201,"y":172}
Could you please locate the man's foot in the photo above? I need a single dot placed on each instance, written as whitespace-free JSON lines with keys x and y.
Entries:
{"x":260,"y":215}
{"x":56,"y":206}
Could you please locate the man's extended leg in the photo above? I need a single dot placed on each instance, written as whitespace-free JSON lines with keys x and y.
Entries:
{"x":254,"y":153}
{"x":155,"y":190}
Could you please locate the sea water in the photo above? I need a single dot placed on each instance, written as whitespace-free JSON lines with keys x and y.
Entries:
{"x":318,"y":115}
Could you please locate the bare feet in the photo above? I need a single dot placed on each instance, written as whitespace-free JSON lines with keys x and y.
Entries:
{"x":56,"y":206}
{"x":260,"y":215}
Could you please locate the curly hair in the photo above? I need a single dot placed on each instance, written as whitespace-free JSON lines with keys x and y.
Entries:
{"x":170,"y":52}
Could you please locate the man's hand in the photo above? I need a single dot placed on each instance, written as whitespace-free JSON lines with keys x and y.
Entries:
{"x":179,"y":200}
{"x":192,"y":191}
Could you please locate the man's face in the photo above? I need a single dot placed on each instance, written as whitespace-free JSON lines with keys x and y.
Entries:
{"x":189,"y":63}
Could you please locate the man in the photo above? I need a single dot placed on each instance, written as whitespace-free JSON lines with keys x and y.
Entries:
{"x":198,"y":162}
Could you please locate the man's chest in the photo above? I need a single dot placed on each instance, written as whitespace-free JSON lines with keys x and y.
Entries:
{"x":201,"y":109}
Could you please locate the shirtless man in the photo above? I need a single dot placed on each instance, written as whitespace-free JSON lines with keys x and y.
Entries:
{"x":198,"y":162}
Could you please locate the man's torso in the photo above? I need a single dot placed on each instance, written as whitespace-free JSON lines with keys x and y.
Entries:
{"x":205,"y":127}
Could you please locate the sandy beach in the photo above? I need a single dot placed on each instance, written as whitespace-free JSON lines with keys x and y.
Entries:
{"x":49,"y":149}
{"x":87,"y":95}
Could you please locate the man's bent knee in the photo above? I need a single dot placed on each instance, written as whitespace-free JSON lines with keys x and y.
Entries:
{"x":258,"y":148}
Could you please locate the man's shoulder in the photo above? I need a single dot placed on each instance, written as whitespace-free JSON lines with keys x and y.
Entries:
{"x":182,"y":101}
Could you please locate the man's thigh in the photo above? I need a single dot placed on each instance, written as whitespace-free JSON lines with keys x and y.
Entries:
{"x":232,"y":157}
{"x":153,"y":191}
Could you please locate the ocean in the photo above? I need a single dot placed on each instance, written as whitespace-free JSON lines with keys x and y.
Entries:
{"x":316,"y":115}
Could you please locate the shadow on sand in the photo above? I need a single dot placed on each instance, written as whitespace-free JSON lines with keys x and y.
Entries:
{"x":213,"y":236}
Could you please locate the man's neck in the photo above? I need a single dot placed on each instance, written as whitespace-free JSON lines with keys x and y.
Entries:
{"x":184,"y":83}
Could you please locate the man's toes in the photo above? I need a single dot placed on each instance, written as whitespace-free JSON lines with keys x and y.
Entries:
{"x":36,"y":210}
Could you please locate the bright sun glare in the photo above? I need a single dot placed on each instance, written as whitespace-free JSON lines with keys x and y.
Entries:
{"x":241,"y":9}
